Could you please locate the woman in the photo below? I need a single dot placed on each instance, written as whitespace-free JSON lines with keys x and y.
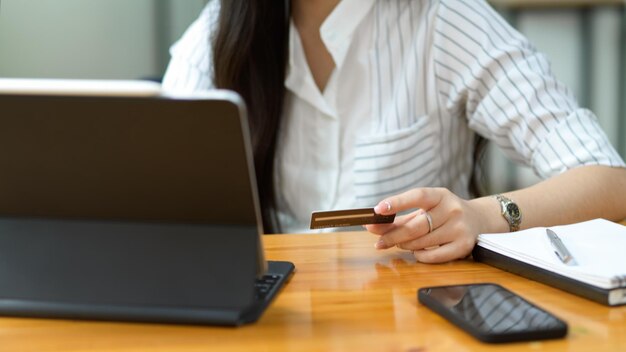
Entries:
{"x":360,"y":102}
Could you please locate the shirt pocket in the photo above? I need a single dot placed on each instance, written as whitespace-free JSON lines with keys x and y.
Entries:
{"x":390,"y":163}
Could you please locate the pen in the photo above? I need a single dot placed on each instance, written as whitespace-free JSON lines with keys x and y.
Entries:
{"x":560,"y":249}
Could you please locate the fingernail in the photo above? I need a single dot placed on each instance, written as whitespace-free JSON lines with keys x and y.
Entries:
{"x":380,"y":245}
{"x":382,"y":207}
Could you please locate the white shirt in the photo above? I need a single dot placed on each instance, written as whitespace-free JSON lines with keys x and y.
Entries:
{"x":414,"y":81}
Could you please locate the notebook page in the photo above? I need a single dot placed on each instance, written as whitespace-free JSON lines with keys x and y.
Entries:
{"x":599,"y":247}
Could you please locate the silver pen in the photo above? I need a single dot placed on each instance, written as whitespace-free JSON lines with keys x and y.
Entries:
{"x":559,"y":248}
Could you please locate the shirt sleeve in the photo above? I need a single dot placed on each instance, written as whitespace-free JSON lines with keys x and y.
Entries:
{"x":190,"y":68}
{"x":509,"y":94}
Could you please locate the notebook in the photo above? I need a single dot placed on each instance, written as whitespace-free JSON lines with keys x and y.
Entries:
{"x":121,"y":203}
{"x":597,"y":245}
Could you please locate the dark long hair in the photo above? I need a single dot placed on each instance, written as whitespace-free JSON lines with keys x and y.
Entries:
{"x":478,"y":180}
{"x":250,"y":53}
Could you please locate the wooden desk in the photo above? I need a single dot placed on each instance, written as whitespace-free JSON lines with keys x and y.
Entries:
{"x":345,"y":296}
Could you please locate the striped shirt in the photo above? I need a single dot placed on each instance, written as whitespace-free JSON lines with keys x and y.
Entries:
{"x":414,"y":81}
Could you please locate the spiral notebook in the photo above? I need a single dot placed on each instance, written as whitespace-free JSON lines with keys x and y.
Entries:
{"x":599,"y":247}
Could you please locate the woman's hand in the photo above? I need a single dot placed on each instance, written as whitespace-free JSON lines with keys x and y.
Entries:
{"x":454,"y":223}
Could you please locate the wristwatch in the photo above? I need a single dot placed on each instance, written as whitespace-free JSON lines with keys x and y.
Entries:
{"x":510,"y":211}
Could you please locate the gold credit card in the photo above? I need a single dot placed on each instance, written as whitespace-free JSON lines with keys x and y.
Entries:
{"x":348,"y":217}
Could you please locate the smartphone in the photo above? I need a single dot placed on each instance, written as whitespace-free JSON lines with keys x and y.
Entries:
{"x":491,"y":313}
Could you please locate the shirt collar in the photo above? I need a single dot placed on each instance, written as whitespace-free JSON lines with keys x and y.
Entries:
{"x":299,"y":78}
{"x":336,"y":32}
{"x":338,"y":29}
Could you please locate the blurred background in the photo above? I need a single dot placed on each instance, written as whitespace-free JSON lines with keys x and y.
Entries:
{"x":121,"y":39}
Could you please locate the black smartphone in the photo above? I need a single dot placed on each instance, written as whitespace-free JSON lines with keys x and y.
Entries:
{"x":491,"y":313}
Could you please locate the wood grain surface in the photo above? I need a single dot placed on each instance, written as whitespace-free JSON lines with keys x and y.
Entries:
{"x":345,"y":296}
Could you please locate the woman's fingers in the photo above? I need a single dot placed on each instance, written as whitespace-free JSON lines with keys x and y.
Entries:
{"x":423,"y":198}
{"x":445,"y":228}
{"x":381,"y":229}
{"x":424,"y":223}
{"x":438,"y":237}
{"x":459,"y":248}
{"x":414,"y":228}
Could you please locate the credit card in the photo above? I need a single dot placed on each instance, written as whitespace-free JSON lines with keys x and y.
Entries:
{"x":348,"y":217}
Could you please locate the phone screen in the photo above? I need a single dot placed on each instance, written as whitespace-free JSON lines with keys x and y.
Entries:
{"x":492,"y":313}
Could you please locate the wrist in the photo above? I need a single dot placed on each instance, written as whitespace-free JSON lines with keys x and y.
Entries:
{"x":492,"y":219}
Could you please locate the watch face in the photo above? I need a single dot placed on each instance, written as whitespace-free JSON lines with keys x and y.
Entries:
{"x":513,"y":211}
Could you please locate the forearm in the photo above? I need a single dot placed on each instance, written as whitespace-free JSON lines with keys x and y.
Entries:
{"x":576,"y":195}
